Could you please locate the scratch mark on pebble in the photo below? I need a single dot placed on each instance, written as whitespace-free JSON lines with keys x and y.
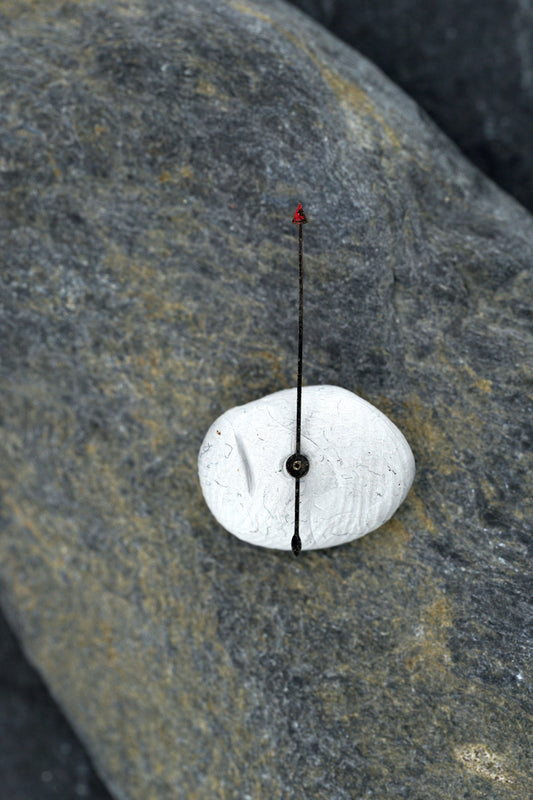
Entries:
{"x":246,"y":464}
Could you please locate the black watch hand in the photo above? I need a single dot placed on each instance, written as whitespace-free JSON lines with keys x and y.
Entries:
{"x":297,"y":465}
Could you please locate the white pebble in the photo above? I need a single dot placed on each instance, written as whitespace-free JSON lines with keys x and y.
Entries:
{"x":361,"y":468}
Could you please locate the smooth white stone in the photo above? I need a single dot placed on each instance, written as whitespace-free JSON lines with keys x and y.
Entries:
{"x":361,"y":468}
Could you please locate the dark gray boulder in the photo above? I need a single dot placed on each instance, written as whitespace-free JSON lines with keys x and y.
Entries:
{"x":40,"y":755}
{"x":469,"y":65}
{"x":153,"y":155}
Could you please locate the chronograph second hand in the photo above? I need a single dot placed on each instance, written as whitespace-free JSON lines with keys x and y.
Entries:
{"x":297,"y":465}
{"x":245,"y":464}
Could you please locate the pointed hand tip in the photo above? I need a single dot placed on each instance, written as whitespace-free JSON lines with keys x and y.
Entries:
{"x":299,"y":215}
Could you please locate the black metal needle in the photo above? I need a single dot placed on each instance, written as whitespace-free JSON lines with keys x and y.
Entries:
{"x":301,"y":221}
{"x":298,"y":465}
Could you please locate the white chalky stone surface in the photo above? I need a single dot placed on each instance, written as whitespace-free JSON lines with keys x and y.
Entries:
{"x":361,"y":468}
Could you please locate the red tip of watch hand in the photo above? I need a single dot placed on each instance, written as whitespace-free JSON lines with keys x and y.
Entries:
{"x":299,"y":215}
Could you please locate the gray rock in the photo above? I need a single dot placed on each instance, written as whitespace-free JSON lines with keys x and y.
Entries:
{"x":469,"y":66}
{"x":40,"y":756}
{"x":153,"y":156}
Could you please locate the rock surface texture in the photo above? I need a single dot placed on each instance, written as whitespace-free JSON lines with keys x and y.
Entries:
{"x":40,"y":756}
{"x":152,"y":157}
{"x":469,"y":65}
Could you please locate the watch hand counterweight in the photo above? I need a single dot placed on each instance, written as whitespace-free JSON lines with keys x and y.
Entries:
{"x":297,"y":465}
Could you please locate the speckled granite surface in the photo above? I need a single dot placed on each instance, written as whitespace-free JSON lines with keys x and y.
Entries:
{"x":469,"y":66}
{"x":152,"y":157}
